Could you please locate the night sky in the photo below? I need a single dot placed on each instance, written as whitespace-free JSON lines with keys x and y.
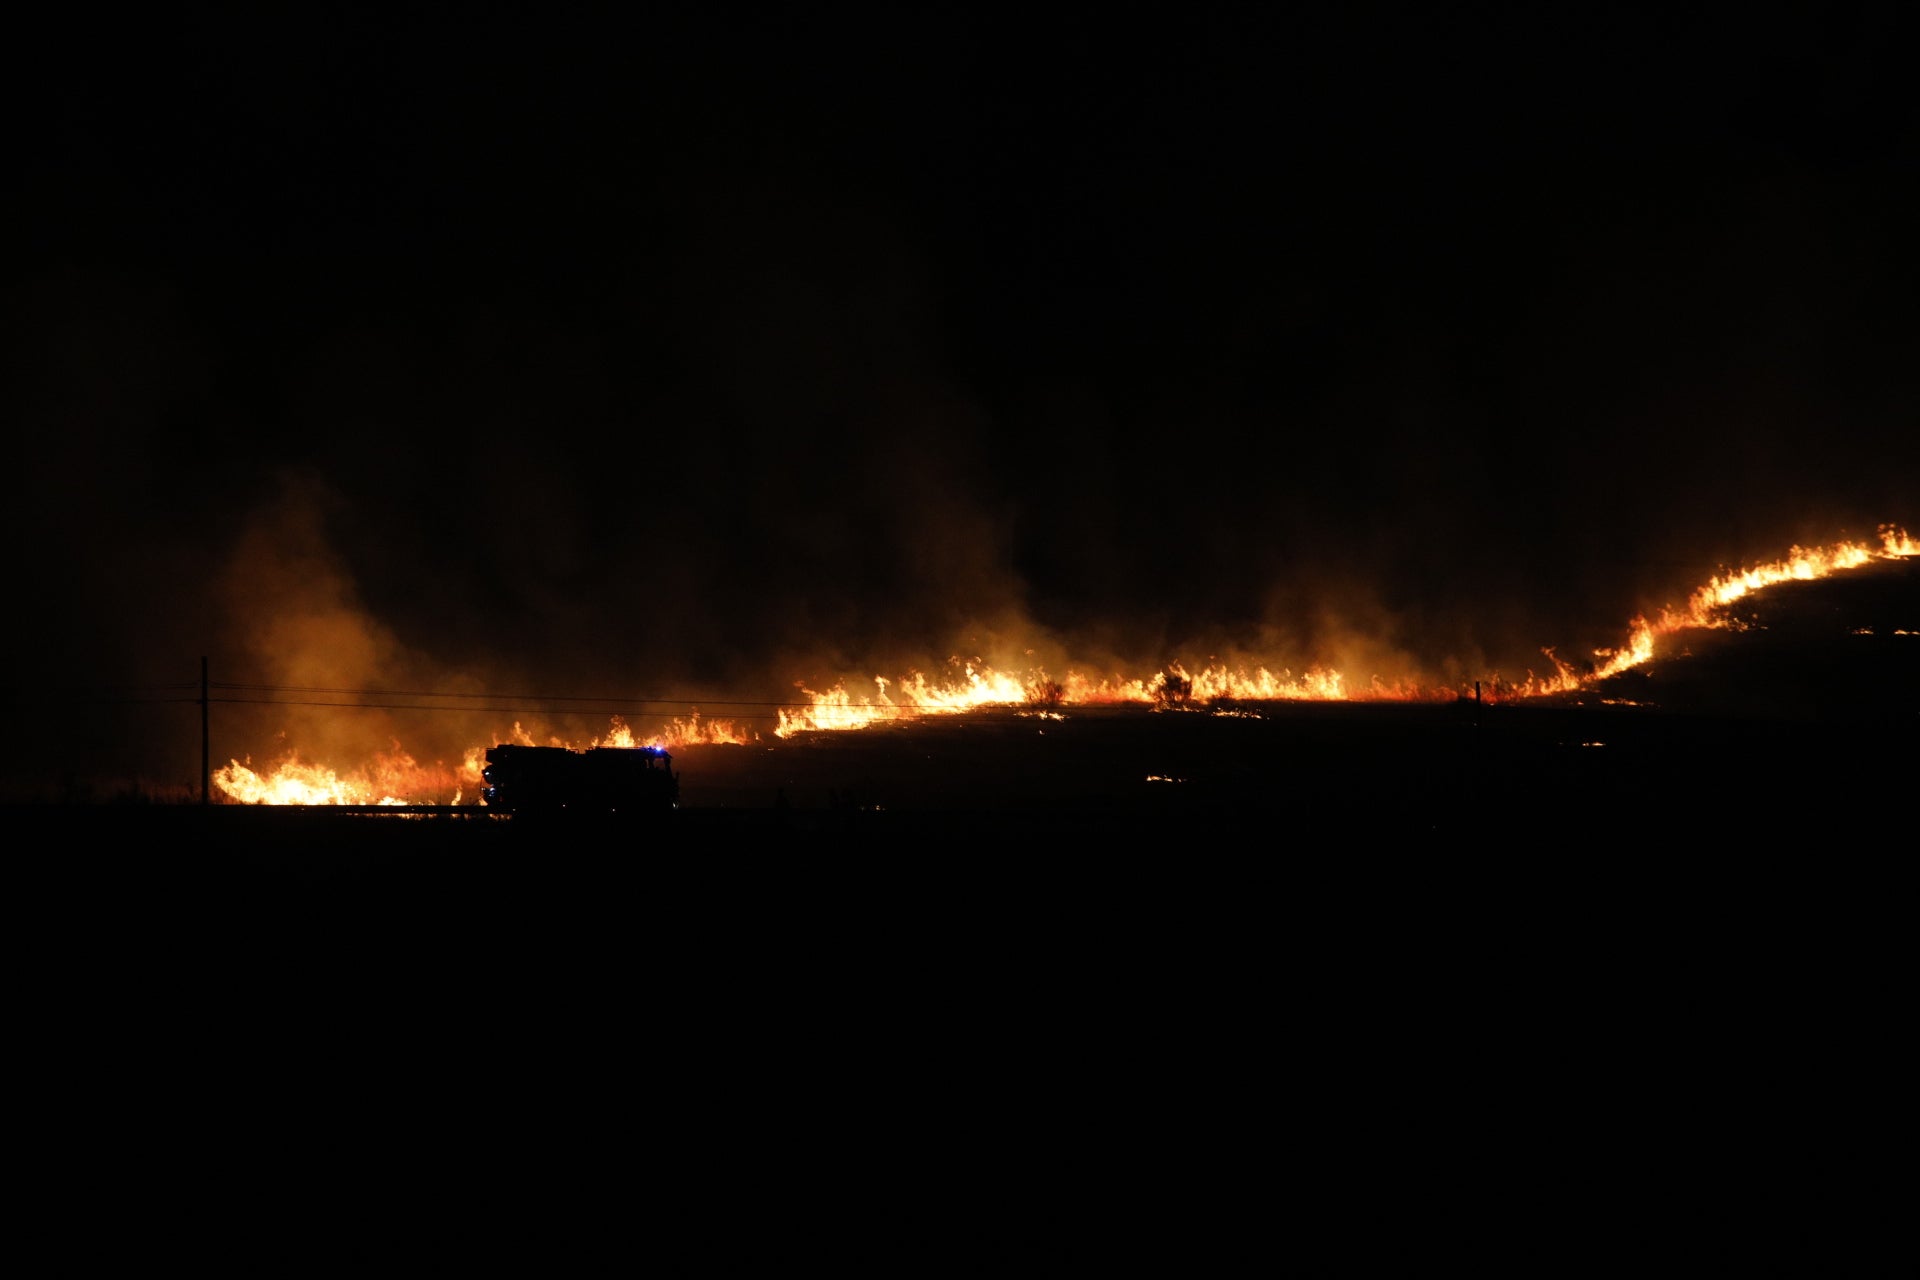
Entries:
{"x":691,"y":357}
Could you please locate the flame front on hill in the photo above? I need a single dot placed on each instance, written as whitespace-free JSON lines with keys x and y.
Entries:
{"x":395,"y":778}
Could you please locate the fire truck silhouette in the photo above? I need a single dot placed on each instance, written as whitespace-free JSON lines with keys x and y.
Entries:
{"x":597,"y":780}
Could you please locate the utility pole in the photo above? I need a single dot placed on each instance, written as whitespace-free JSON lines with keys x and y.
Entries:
{"x":206,"y":773}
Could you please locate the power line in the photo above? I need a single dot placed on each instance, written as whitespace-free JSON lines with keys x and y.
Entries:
{"x":430,"y":693}
{"x":367,"y":700}
{"x":598,"y":700}
{"x":768,"y":707}
{"x":91,"y":698}
{"x":531,"y":703}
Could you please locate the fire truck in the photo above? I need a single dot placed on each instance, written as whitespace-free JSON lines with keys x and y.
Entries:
{"x":598,"y":780}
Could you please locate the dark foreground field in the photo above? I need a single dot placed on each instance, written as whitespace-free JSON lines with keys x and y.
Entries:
{"x":1353,"y":988}
{"x":1564,"y":989}
{"x":983,"y":815}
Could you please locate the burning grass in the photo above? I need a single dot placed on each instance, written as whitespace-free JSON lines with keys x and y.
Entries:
{"x":1218,"y":687}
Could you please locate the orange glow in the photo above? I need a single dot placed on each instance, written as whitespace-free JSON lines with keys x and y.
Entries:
{"x":395,"y":778}
{"x":1220,"y":688}
{"x":1175,"y":687}
{"x":680,"y":732}
{"x":1704,"y":607}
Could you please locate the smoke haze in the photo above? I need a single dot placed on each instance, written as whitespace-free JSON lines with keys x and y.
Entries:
{"x":698,"y":361}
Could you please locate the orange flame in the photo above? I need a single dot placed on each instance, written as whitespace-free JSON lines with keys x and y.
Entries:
{"x":1219,"y":686}
{"x":1704,"y":607}
{"x":390,"y":780}
{"x":396,"y":778}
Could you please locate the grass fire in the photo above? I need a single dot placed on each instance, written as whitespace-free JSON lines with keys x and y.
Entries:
{"x":391,"y":776}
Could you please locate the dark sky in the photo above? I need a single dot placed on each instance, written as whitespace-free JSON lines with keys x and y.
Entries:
{"x":698,"y":355}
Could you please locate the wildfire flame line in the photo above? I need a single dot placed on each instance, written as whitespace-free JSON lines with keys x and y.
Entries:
{"x":839,"y":709}
{"x":395,"y":774}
